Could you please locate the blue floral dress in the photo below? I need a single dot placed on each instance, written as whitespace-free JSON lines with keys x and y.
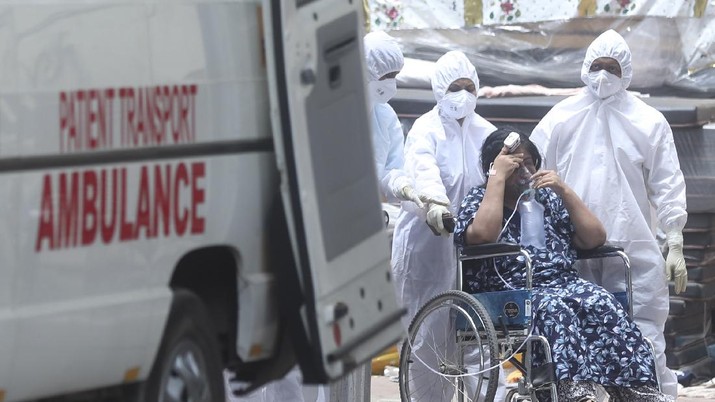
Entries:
{"x":591,"y":336}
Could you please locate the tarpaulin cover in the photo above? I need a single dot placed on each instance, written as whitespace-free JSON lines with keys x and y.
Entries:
{"x":544,"y":42}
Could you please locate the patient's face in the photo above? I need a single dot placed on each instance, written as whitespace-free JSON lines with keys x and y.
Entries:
{"x":518,"y":181}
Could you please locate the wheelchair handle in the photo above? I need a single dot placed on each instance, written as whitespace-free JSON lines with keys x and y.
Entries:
{"x":449,"y":222}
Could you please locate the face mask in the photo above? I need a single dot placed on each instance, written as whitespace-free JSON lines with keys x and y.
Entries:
{"x":523,"y":178}
{"x":458,"y":105}
{"x":519,"y":181}
{"x":603,"y":84}
{"x":382,"y":91}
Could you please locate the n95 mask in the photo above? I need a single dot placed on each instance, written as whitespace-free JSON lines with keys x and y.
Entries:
{"x":383,"y":90}
{"x":458,"y":105}
{"x":603,"y":84}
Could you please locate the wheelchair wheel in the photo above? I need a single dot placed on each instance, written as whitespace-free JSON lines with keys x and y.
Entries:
{"x":450,"y":352}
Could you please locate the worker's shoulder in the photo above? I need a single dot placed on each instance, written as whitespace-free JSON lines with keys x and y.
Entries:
{"x":569,"y":107}
{"x":384,"y":109}
{"x":427,"y":121}
{"x":634,"y":105}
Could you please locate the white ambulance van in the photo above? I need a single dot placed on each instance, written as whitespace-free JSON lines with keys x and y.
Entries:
{"x":186,"y":186}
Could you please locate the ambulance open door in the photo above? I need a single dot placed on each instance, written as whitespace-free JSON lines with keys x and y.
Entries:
{"x":322,"y":139}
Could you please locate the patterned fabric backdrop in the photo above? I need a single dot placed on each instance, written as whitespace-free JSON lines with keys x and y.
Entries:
{"x":408,"y":14}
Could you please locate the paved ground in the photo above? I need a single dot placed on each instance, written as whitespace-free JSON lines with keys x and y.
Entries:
{"x":382,"y":389}
{"x":698,"y":393}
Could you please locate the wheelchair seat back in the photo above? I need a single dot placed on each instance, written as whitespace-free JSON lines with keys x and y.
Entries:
{"x":510,"y":308}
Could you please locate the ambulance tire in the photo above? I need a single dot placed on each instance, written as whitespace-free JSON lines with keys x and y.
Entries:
{"x":188,"y":364}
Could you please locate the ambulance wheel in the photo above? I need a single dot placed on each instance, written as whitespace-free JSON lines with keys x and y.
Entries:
{"x":188,"y":365}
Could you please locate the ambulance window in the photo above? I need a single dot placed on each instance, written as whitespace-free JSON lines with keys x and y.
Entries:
{"x":341,"y":153}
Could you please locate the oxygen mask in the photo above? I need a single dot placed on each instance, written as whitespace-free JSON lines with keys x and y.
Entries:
{"x":524,"y":178}
{"x":523,"y":174}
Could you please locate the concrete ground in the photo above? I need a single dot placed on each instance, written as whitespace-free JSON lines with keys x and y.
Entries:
{"x":382,"y":389}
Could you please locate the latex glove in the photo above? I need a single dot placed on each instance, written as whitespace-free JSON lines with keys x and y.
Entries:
{"x":434,"y":200}
{"x":434,"y":218}
{"x":675,"y":262}
{"x":407,"y":193}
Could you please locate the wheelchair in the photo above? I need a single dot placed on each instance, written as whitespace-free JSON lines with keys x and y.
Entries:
{"x":476,"y":333}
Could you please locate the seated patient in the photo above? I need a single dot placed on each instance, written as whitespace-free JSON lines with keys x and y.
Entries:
{"x":592,"y":339}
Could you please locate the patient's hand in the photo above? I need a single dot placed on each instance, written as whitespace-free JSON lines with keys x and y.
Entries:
{"x":505,"y":163}
{"x":549,"y":178}
{"x":588,"y":231}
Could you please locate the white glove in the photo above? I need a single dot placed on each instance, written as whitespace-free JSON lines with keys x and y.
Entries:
{"x":435,"y":200}
{"x":434,"y":218}
{"x":407,"y":193}
{"x":675,"y":262}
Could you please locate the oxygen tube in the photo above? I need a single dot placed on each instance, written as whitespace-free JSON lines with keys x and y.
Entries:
{"x":530,"y":210}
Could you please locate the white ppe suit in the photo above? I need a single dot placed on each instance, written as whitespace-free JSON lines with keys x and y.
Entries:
{"x":383,"y":56}
{"x":618,"y":155}
{"x":442,"y":157}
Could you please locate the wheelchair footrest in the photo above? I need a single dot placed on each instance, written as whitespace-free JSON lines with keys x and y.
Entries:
{"x":543,"y":375}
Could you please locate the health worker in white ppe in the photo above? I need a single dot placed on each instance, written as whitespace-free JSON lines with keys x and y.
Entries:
{"x":384,"y":61}
{"x":442,"y":153}
{"x":618,"y":155}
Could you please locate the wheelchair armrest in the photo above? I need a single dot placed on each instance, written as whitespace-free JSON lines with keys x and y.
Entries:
{"x":488,"y":250}
{"x":599,"y":252}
